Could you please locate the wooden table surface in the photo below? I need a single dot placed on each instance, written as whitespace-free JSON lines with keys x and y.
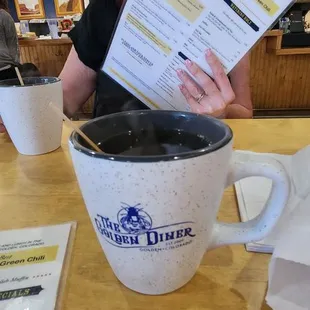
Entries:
{"x":43,"y":190}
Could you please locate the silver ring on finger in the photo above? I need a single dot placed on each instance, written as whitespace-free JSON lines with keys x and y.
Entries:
{"x":200,"y":97}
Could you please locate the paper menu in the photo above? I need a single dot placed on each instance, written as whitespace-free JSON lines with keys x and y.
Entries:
{"x":153,"y":38}
{"x":31,"y":262}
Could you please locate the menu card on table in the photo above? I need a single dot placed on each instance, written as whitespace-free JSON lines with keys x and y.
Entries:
{"x":153,"y":39}
{"x":31,"y":266}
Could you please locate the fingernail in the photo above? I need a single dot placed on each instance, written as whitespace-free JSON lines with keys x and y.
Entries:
{"x":188,"y":62}
{"x":180,"y":72}
{"x":208,"y":52}
{"x":181,"y":86}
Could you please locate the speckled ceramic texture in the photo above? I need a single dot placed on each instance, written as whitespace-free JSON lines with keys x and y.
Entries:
{"x":33,"y":127}
{"x":175,"y":200}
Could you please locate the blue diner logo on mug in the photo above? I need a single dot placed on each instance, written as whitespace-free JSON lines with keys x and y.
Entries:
{"x":134,"y":220}
{"x":134,"y":230}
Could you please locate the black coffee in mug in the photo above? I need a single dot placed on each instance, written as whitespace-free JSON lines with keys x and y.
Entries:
{"x":154,"y":142}
{"x":156,"y":133}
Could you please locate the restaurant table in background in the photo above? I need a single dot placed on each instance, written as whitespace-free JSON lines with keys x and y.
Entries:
{"x":43,"y":190}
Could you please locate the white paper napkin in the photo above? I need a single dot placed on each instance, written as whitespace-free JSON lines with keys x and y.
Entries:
{"x":289,"y":269}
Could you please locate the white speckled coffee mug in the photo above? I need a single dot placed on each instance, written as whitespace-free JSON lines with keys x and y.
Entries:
{"x":155,"y":216}
{"x":32,"y":125}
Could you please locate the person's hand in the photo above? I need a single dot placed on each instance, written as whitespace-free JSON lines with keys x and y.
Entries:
{"x":208,"y":96}
{"x":2,"y":128}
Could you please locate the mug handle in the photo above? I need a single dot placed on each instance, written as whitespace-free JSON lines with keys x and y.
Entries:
{"x":246,"y":165}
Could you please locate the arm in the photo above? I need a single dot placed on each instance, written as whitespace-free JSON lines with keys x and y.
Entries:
{"x":90,"y":38}
{"x":11,"y":38}
{"x":78,"y":82}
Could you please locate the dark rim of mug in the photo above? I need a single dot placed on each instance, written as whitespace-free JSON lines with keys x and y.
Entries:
{"x":228,"y":136}
{"x":42,"y":80}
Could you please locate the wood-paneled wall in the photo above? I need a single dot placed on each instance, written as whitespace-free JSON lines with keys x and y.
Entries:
{"x":49,"y":56}
{"x":279,"y":82}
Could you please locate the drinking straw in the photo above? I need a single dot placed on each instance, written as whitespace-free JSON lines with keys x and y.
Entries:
{"x":74,"y":127}
{"x":19,"y":77}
